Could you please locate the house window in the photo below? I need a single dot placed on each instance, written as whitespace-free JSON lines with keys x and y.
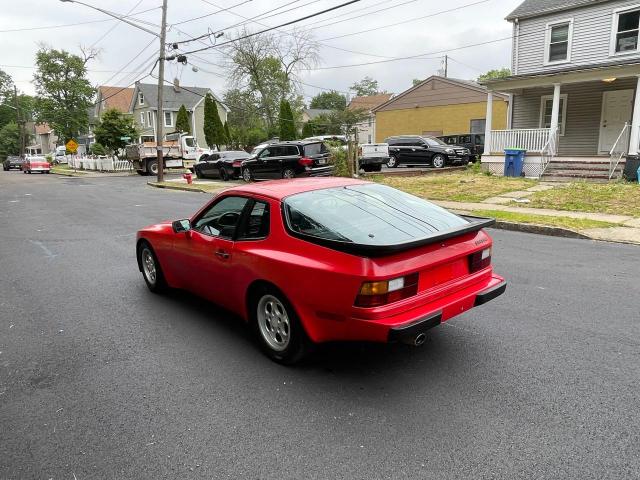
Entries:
{"x":142,"y":118}
{"x":546,"y":108}
{"x":478,"y":125}
{"x":558,"y":44}
{"x":149,"y":119}
{"x":140,"y":98}
{"x":168,"y":119}
{"x":626,"y":29}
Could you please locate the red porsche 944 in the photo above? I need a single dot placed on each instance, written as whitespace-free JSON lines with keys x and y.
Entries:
{"x":323,"y":259}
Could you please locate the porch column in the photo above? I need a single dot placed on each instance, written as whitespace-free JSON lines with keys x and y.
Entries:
{"x":555,"y":111}
{"x":635,"y":123}
{"x":488,"y":124}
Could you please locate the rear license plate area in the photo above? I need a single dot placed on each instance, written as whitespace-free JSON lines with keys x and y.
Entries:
{"x":442,"y":274}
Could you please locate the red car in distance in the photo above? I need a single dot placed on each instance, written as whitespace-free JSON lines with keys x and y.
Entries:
{"x":314,"y":260}
{"x":36,"y":164}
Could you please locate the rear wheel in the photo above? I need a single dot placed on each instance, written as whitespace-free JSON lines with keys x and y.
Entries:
{"x":376,"y":168}
{"x":279,"y":331}
{"x":288,"y":173}
{"x":152,"y":167}
{"x":246,"y":175}
{"x":393,"y":162}
{"x":151,"y":271}
{"x":198,"y":173}
{"x":438,"y":161}
{"x":224,"y":175}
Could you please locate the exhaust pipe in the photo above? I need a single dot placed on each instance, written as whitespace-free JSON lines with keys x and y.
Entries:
{"x":416,"y":341}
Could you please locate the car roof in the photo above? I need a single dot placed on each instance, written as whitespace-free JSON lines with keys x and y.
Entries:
{"x":279,"y":189}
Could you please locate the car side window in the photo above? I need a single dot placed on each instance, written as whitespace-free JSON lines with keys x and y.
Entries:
{"x":465,"y":139}
{"x":256,"y":224}
{"x":290,"y":150}
{"x":221,"y":219}
{"x":265,"y":153}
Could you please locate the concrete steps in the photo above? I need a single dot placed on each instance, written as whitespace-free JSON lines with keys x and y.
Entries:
{"x":591,"y":169}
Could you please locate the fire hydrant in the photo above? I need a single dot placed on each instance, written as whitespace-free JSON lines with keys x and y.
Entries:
{"x":188,"y":177}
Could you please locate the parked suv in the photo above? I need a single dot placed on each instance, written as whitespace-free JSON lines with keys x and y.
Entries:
{"x":288,"y":160}
{"x":418,"y":150}
{"x":473,"y":141}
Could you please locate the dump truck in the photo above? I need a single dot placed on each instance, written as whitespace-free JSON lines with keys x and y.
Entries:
{"x":179,"y":151}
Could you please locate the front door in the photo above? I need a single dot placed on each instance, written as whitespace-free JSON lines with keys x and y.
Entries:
{"x":617,"y":109}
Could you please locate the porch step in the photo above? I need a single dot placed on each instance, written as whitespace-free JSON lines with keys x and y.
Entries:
{"x":580,"y":166}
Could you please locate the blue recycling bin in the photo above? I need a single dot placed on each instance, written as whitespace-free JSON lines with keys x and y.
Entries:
{"x":514,"y":162}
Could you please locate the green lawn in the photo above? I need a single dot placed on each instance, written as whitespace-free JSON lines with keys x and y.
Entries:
{"x":465,"y":186}
{"x":60,"y":169}
{"x":612,"y":198}
{"x":564,"y":222}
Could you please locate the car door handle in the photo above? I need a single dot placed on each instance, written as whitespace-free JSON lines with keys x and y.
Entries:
{"x":222,"y":254}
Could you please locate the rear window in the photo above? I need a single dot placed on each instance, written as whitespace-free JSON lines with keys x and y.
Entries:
{"x":315,"y":148}
{"x":369,"y":214}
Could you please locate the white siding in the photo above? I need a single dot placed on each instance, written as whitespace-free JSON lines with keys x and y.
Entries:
{"x":592,"y":27}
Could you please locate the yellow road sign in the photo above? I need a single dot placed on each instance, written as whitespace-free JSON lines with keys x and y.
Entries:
{"x":72,"y":146}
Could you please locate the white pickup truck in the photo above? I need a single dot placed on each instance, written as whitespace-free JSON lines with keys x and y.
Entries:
{"x":179,"y":151}
{"x":371,"y":156}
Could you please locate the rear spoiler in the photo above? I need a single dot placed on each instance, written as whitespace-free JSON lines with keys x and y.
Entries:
{"x":475,"y":224}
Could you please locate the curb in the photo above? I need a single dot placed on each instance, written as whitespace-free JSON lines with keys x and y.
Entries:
{"x":540,"y":230}
{"x":67,"y":174}
{"x":177,"y":187}
{"x":411,"y":172}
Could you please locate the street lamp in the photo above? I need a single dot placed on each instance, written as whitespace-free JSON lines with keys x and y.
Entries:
{"x":161,"y":59}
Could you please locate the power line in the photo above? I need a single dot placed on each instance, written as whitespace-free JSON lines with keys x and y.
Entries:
{"x":78,"y":23}
{"x":276,"y":27}
{"x":115,"y":25}
{"x":406,"y":21}
{"x":212,"y":13}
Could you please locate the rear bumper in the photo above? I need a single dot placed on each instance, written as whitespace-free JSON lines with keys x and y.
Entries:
{"x":373,"y":160}
{"x":318,"y":172}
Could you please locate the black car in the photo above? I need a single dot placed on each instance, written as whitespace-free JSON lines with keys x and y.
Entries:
{"x":302,"y":158}
{"x":424,"y":150}
{"x":473,"y":141}
{"x":225,"y":165}
{"x":12,"y":161}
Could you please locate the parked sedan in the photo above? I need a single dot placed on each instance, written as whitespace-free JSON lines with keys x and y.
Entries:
{"x":288,"y":160}
{"x":316,"y":260}
{"x":225,"y":165}
{"x":36,"y":164}
{"x":12,"y":161}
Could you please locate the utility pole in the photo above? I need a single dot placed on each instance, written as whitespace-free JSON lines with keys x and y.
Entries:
{"x":20,"y":123}
{"x":160,"y":112}
{"x":446,"y":66}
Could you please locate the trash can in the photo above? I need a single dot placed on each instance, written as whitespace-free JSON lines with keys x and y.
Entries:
{"x":514,"y":162}
{"x":631,"y":168}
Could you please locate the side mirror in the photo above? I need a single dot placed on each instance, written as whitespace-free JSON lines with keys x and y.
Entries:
{"x":181,"y":226}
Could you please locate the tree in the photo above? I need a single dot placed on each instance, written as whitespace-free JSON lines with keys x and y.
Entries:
{"x":287,"y":125}
{"x":213,"y":129}
{"x":366,"y":86}
{"x":10,"y":139}
{"x":182,"y":120}
{"x":113,"y":126}
{"x":227,"y":133}
{"x":6,"y":87}
{"x":416,"y":81}
{"x":64,"y":93}
{"x":330,"y":100}
{"x":495,"y":74}
{"x":97,"y":149}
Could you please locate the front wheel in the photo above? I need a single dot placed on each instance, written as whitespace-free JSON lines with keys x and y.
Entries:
{"x":198,"y":173}
{"x":151,"y":271}
{"x":152,"y":167}
{"x":246,"y":175}
{"x":224,"y":175}
{"x":279,"y":331}
{"x":288,"y":173}
{"x":393,"y":162}
{"x":438,"y":161}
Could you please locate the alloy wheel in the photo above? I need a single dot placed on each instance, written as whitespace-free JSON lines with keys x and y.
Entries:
{"x":274,"y":323}
{"x":246,"y":175}
{"x":288,"y":173}
{"x":149,"y":266}
{"x":392,"y":162}
{"x":438,"y":161}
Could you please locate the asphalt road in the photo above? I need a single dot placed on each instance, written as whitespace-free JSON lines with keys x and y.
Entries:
{"x":101,"y":379}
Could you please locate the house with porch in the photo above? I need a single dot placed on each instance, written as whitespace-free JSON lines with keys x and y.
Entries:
{"x":575,"y":76}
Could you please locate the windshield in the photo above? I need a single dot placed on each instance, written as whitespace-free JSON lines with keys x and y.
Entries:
{"x":190,"y":142}
{"x":368,"y":214}
{"x":434,"y":142}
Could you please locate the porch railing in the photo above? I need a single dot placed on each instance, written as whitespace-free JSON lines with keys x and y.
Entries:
{"x":619,"y":149}
{"x":531,"y":139}
{"x":550,"y":150}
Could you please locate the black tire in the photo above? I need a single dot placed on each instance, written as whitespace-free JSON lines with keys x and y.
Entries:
{"x":224,"y":175}
{"x":157,"y":284}
{"x":367,"y":168}
{"x":376,"y":168}
{"x":48,"y":171}
{"x":438,"y":161}
{"x":152,"y":167}
{"x":393,"y":162}
{"x":295,"y":345}
{"x":140,"y":172}
{"x":246,"y":174}
{"x":288,"y":173}
{"x":198,"y":173}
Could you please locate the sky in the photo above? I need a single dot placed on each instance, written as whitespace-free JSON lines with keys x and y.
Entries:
{"x":427,"y":28}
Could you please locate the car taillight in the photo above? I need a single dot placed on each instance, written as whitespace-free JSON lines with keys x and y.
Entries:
{"x":237,"y":163}
{"x":479,"y":260}
{"x":305,"y":162}
{"x":375,"y":294}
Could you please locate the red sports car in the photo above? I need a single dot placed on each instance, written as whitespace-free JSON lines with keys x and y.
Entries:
{"x":36,"y":164}
{"x":314,"y":260}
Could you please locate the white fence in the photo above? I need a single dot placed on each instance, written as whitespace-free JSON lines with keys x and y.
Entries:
{"x":101,"y":164}
{"x":531,"y":139}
